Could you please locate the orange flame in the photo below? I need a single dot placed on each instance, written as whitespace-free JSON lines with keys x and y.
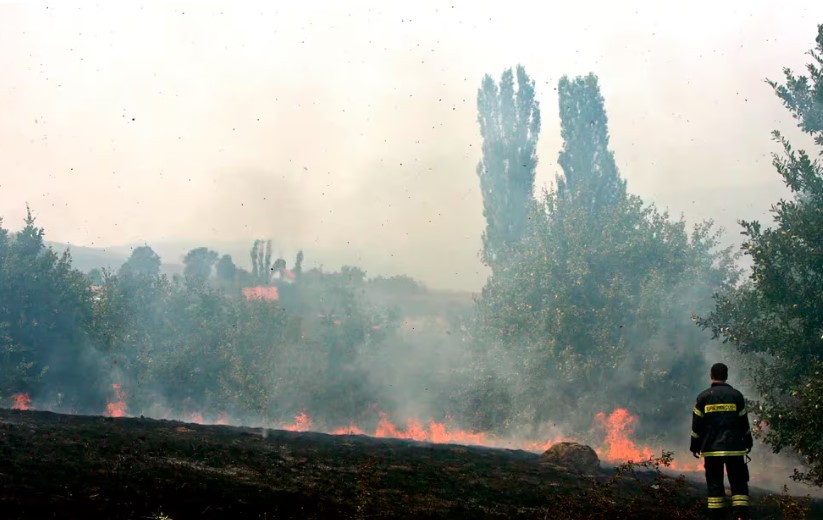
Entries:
{"x":617,"y":445}
{"x":21,"y":401}
{"x":437,"y":432}
{"x":117,"y":408}
{"x":302,"y":423}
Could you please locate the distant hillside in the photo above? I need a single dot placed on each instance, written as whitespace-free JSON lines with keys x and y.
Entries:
{"x":87,"y":258}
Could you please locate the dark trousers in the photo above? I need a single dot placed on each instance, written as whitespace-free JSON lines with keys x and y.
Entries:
{"x":738,"y":473}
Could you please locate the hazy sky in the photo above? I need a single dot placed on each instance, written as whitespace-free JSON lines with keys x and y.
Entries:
{"x":349,"y":128}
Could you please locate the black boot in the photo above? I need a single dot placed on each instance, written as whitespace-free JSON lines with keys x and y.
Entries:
{"x":718,"y":514}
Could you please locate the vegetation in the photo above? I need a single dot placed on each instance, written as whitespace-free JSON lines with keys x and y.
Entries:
{"x":775,"y":317}
{"x":593,"y":306}
{"x":590,"y":306}
{"x":509,"y":123}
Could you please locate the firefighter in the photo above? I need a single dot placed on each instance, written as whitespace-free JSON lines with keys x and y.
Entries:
{"x":721,"y":435}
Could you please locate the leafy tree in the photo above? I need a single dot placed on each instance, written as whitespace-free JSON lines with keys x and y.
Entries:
{"x":589,"y":170}
{"x":509,"y":124}
{"x":95,"y":276}
{"x":595,"y":306}
{"x":45,"y":316}
{"x":226,"y":270}
{"x":255,"y":268}
{"x":298,"y":263}
{"x":776,"y":316}
{"x":261,"y":262}
{"x":400,"y":284}
{"x":198,"y":264}
{"x":143,"y":261}
{"x":803,"y":95}
{"x":266,"y":268}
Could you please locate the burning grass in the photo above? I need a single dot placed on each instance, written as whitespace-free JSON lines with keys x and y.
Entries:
{"x":617,"y":426}
{"x":130,"y":468}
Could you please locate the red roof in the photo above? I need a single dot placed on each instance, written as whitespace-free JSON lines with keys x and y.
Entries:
{"x":268,"y":293}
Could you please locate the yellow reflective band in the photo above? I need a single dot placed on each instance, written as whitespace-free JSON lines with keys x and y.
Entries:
{"x":717,"y":499}
{"x":743,"y":412}
{"x":726,"y":407}
{"x":740,"y":501}
{"x":698,"y":412}
{"x":717,"y":505}
{"x":723,"y":453}
{"x":696,"y":436}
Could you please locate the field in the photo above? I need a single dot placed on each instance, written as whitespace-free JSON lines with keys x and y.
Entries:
{"x":64,"y":466}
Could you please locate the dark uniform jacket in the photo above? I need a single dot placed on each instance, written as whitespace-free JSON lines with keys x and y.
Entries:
{"x":720,"y":423}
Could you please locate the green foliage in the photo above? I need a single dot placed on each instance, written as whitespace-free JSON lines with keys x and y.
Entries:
{"x":45,"y":314}
{"x":262,"y":269}
{"x":198,"y":264}
{"x":143,"y":261}
{"x":590,"y":174}
{"x":400,"y":284}
{"x":776,"y":316}
{"x":298,"y":263}
{"x":95,"y":276}
{"x":803,"y":95}
{"x":595,"y":306}
{"x":226,"y":270}
{"x":509,"y":124}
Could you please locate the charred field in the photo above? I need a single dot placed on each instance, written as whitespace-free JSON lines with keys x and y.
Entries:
{"x":67,"y":466}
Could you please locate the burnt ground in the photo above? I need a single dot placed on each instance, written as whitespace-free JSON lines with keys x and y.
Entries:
{"x":63,"y":466}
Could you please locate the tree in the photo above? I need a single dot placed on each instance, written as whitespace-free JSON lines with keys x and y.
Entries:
{"x":198,"y":264}
{"x":226,"y":270}
{"x":45,"y":316}
{"x":142,"y":262}
{"x":255,"y":268}
{"x":509,"y":125}
{"x":95,"y":276}
{"x":589,"y":170}
{"x":803,"y":95}
{"x":298,"y":263}
{"x":598,"y":295}
{"x":775,"y":317}
{"x":261,"y":268}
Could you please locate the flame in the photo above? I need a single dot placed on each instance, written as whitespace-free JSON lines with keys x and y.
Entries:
{"x":302,"y":423}
{"x":437,"y":432}
{"x":21,"y":401}
{"x":117,"y":408}
{"x":617,"y":446}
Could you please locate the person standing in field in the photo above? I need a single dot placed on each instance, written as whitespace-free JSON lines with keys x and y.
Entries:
{"x":721,"y":435}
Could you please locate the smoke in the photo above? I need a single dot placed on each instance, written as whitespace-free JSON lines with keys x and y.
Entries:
{"x":357,"y":123}
{"x":350,"y":133}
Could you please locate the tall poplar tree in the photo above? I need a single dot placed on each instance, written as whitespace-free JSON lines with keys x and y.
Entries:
{"x":509,"y":118}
